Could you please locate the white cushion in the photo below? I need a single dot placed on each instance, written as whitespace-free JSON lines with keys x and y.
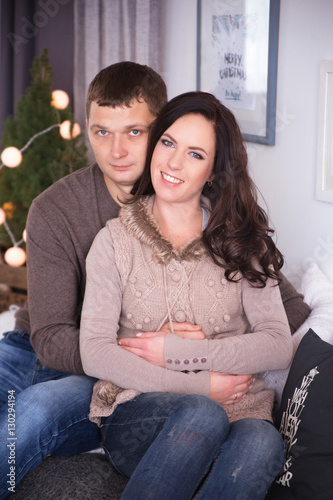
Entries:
{"x":318,"y":293}
{"x":7,"y":320}
{"x":326,"y":265}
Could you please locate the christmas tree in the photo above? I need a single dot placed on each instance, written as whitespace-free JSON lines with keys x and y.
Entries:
{"x":49,"y":156}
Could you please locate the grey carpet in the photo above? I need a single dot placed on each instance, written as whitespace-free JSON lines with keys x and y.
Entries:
{"x":80,"y":477}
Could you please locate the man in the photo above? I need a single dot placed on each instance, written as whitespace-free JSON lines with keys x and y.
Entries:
{"x":40,"y":363}
{"x":52,"y":395}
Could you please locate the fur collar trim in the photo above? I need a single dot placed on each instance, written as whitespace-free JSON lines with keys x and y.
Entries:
{"x":140,"y":223}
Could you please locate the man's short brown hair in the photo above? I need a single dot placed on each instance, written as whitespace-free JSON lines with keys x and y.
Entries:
{"x":120,"y":83}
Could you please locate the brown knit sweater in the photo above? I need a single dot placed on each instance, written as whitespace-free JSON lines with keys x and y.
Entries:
{"x":62,"y":224}
{"x":136,"y":281}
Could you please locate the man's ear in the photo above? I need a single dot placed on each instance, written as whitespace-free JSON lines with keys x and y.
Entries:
{"x":87,"y":124}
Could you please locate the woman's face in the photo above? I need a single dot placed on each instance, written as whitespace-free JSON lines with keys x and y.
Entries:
{"x":183,"y":159}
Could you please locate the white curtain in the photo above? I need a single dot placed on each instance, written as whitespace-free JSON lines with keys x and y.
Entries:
{"x":109,"y":31}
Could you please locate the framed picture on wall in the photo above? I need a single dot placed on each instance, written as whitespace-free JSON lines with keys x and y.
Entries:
{"x":237,"y":61}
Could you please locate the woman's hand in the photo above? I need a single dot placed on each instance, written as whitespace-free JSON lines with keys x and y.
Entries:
{"x":185,"y":330}
{"x":228,"y":389}
{"x":147,"y":345}
{"x":150,"y":345}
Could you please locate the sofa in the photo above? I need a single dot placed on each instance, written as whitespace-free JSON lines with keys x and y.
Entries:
{"x":90,"y":475}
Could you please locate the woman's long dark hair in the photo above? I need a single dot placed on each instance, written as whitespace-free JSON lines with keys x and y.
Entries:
{"x":237,"y":235}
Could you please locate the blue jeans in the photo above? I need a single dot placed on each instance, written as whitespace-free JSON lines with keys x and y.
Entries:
{"x":181,"y":447}
{"x":42,"y":411}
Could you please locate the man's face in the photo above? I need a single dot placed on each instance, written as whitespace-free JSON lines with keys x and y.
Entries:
{"x":118,"y":137}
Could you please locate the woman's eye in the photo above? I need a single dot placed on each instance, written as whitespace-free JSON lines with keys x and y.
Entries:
{"x":167,"y":143}
{"x":196,"y":155}
{"x":102,"y":133}
{"x":135,"y":132}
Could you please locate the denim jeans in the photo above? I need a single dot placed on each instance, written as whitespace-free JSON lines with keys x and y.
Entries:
{"x":181,"y":447}
{"x":42,"y":411}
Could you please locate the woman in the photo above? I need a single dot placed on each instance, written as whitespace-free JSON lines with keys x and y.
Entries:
{"x":193,"y":246}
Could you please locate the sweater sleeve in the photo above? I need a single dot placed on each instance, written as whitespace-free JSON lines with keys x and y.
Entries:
{"x":101,"y":356}
{"x":266,"y":346}
{"x":53,"y":284}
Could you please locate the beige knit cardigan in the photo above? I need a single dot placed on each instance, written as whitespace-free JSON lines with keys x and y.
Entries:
{"x":136,"y":281}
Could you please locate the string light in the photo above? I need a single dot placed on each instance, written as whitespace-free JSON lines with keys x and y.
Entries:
{"x":2,"y":216}
{"x":60,"y":99}
{"x":12,"y":157}
{"x":15,"y":256}
{"x":66,"y":132}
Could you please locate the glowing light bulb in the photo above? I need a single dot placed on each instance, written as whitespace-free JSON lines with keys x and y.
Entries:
{"x":15,"y":256}
{"x":60,"y":99}
{"x":2,"y":216}
{"x":11,"y":157}
{"x":65,"y":130}
{"x":9,"y":209}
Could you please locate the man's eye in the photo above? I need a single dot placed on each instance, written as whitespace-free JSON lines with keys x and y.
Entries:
{"x":102,"y":133}
{"x":135,"y":132}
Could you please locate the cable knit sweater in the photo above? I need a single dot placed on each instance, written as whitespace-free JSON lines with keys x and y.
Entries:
{"x":136,"y":281}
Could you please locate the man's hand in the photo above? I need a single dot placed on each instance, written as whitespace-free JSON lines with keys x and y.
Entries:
{"x":224,"y":388}
{"x":185,"y":330}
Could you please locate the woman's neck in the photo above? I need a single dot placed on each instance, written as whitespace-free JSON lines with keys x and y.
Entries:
{"x":178,"y":223}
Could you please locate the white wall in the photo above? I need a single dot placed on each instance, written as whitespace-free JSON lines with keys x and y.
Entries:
{"x":178,"y":41}
{"x":285,"y":173}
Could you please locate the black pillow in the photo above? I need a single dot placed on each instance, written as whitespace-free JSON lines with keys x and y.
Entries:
{"x":305,"y":420}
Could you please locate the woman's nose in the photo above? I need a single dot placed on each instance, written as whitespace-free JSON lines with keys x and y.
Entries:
{"x":176,"y":160}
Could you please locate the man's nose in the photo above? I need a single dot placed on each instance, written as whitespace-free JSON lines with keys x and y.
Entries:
{"x":118,"y":148}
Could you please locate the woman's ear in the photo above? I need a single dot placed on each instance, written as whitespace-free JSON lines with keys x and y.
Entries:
{"x":211,"y":178}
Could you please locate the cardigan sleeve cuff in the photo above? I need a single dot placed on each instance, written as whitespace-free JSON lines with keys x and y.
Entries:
{"x":186,"y":354}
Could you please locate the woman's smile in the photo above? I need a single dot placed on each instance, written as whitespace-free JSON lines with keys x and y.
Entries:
{"x":170,"y":178}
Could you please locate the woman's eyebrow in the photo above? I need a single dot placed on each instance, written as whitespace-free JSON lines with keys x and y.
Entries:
{"x":198,"y":148}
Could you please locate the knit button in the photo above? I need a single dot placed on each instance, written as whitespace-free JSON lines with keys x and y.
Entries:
{"x":177,"y":361}
{"x":203,"y":360}
{"x":132,"y":279}
{"x":211,"y":283}
{"x":223,"y":281}
{"x":211,"y":320}
{"x":216,"y":329}
{"x":195,"y":360}
{"x":180,"y":316}
{"x":138,"y":294}
{"x":186,"y":362}
{"x":129,"y":315}
{"x":147,"y":320}
{"x":176,"y":277}
{"x":219,"y":295}
{"x":169,"y":361}
{"x":226,"y":318}
{"x":148,"y":282}
{"x":138,"y":326}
